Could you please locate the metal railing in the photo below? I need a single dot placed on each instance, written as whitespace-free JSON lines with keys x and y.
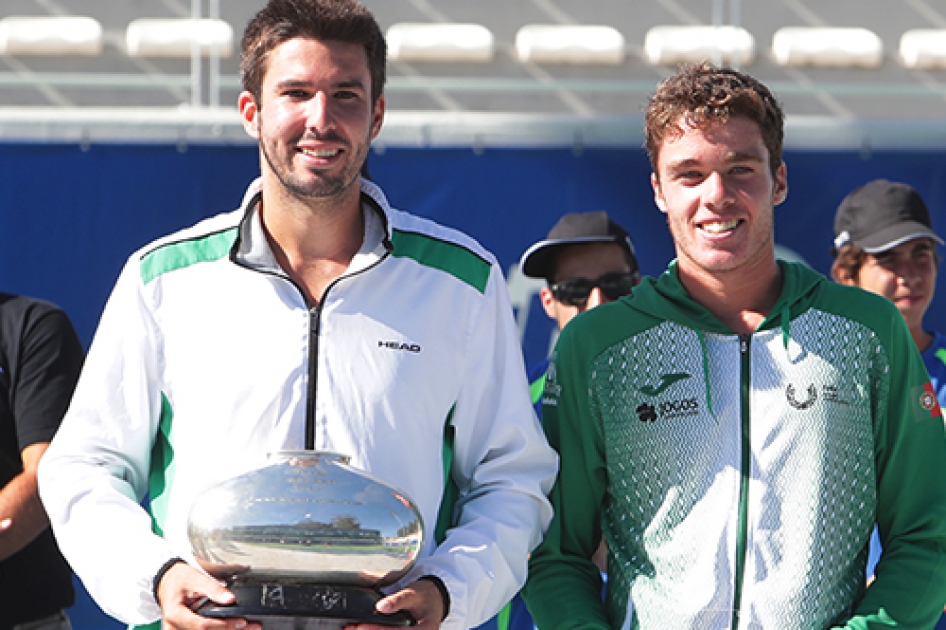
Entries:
{"x":485,"y":85}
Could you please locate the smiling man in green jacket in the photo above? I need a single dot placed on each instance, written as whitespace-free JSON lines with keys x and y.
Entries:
{"x":735,"y":427}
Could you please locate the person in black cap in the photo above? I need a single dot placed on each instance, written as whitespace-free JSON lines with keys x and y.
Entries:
{"x":885,"y":243}
{"x":587,"y":260}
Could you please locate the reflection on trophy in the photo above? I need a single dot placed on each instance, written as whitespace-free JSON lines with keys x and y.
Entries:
{"x":305,"y":542}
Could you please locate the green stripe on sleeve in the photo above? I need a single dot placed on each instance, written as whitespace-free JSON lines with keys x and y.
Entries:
{"x":186,"y":253}
{"x":162,"y":469}
{"x":450,"y":491}
{"x":454,"y":259}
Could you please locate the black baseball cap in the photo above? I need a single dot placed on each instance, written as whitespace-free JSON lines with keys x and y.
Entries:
{"x":881,"y":215}
{"x":572,"y":229}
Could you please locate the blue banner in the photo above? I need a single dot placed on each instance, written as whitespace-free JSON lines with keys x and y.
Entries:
{"x":71,"y":215}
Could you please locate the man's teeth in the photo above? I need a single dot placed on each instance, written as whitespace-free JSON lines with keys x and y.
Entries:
{"x":720,"y":226}
{"x":321,"y":153}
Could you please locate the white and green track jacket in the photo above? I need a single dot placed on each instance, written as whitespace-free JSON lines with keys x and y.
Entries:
{"x":736,"y":479}
{"x":207,"y":358}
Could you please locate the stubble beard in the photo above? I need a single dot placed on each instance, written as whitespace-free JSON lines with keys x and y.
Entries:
{"x":321,"y":187}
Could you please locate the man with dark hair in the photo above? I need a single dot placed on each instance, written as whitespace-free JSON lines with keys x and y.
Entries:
{"x":40,"y":359}
{"x":326,"y":20}
{"x":735,"y":427}
{"x":315,"y":317}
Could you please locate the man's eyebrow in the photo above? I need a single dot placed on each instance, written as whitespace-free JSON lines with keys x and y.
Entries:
{"x":351,"y":83}
{"x":733,"y":156}
{"x":682,"y":164}
{"x":747,"y":155}
{"x":303,"y":83}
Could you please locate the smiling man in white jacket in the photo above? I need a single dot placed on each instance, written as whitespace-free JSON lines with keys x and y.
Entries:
{"x":313,"y":317}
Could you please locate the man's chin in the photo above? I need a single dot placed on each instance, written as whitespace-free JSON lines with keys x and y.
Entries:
{"x":320,"y":188}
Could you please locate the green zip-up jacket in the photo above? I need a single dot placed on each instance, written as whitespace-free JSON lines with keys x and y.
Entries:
{"x":737,"y":478}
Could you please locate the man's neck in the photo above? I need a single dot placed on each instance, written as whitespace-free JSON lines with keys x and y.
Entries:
{"x":312,"y":242}
{"x":740,"y":299}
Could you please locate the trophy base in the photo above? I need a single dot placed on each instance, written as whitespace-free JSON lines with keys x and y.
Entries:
{"x":305,"y":606}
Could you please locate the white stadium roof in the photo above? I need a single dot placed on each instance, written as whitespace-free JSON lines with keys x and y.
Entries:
{"x":99,"y":68}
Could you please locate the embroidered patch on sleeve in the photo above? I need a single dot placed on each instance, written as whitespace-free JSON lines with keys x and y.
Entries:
{"x":927,"y":407}
{"x":552,"y":389}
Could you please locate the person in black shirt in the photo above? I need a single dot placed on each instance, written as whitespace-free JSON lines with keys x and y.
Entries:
{"x":40,"y":359}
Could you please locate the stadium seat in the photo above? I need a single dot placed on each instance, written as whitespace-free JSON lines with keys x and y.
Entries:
{"x":669,"y":45}
{"x":923,"y":48}
{"x":827,"y":47}
{"x":176,"y":37}
{"x":541,"y":43}
{"x":411,"y":41}
{"x":72,"y":35}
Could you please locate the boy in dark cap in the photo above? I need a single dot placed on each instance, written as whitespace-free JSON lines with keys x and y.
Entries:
{"x":587,"y":259}
{"x":885,"y":243}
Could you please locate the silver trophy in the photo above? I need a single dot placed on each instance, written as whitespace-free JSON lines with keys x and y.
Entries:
{"x":306,"y":542}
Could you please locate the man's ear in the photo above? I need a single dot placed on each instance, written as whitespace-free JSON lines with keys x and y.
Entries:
{"x":780,"y":191}
{"x":548,"y":302}
{"x":377,"y":116}
{"x":658,"y":194}
{"x":842,"y":275}
{"x":249,"y":114}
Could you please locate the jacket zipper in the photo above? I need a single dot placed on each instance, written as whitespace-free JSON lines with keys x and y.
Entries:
{"x":315,"y":312}
{"x":745,"y":470}
{"x":315,"y":319}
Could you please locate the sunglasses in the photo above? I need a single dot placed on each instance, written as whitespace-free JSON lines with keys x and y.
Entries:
{"x":575,"y":292}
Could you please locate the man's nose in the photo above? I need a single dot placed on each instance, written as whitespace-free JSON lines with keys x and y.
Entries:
{"x":910,"y":271}
{"x":595,"y":298}
{"x":318,"y":115}
{"x":716,"y":192}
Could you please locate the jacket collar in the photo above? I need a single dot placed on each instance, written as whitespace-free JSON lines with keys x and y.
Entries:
{"x":666,"y":298}
{"x":252,"y":248}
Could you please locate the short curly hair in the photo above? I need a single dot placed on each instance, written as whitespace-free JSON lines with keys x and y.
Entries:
{"x":324,"y":20}
{"x":699,"y":95}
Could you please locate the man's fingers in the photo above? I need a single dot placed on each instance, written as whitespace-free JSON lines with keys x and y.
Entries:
{"x":183,"y":590}
{"x":421,"y":599}
{"x":391,"y":603}
{"x":212,"y":592}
